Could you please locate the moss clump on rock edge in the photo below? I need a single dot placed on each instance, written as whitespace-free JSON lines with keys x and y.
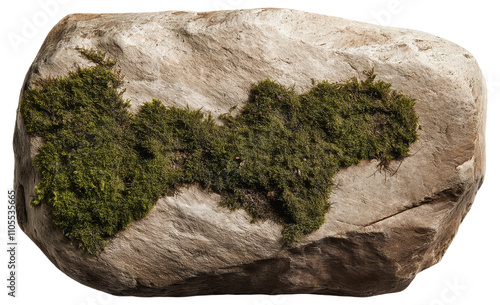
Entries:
{"x":102,"y":167}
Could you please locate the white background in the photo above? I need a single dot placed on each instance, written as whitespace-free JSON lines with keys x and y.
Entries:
{"x":468,"y":273}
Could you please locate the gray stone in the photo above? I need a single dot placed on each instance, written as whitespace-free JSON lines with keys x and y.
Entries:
{"x":383,"y":228}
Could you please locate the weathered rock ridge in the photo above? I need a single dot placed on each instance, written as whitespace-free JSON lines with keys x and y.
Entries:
{"x":383,"y":227}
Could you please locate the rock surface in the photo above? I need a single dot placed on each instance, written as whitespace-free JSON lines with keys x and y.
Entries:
{"x":382,"y":228}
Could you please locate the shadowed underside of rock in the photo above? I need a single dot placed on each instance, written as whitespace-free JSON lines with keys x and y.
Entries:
{"x":382,"y":228}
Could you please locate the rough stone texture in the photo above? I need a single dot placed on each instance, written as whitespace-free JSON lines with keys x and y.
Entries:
{"x":382,"y":229}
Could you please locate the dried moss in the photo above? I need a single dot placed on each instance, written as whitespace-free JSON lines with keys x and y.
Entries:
{"x":103,"y":167}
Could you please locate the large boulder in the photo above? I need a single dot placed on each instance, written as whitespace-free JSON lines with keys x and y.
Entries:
{"x":384,"y":225}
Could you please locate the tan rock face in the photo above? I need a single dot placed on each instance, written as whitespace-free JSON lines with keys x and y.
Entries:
{"x":382,"y":229}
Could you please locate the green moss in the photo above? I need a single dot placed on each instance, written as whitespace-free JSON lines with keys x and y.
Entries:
{"x":102,"y":167}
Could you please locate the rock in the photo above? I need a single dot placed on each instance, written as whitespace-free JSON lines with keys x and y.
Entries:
{"x":383,"y":227}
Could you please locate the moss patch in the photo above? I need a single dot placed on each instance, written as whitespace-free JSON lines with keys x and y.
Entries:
{"x":102,"y":167}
